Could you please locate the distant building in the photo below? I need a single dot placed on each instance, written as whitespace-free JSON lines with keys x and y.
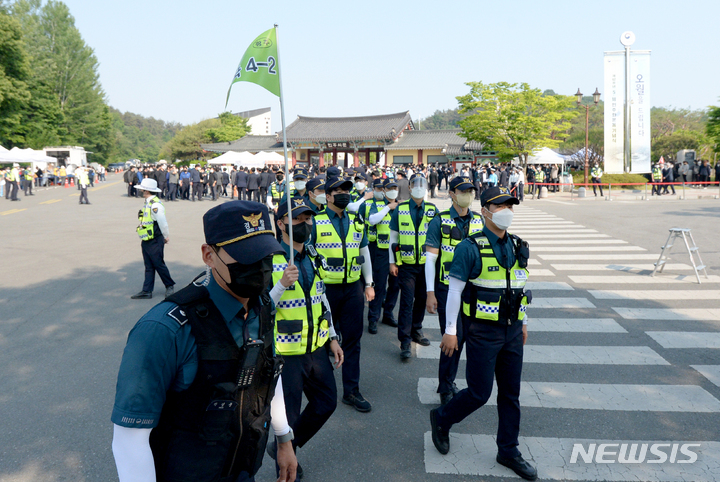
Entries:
{"x":67,"y":155}
{"x":259,"y":120}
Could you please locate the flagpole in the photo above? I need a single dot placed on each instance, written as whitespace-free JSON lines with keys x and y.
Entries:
{"x":287,"y":170}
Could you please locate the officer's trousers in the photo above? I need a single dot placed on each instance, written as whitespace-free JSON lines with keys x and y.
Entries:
{"x":172,"y":191}
{"x":386,"y":286}
{"x":14,"y":193}
{"x":253,"y":195}
{"x":242,"y":193}
{"x":154,"y":258}
{"x":448,"y":367}
{"x":492,"y":350}
{"x":347,"y":303}
{"x":597,"y":181}
{"x":197,"y":190}
{"x":83,"y":195}
{"x":311,"y":374}
{"x":413,"y":295}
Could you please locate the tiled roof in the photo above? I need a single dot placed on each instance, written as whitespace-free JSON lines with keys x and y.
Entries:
{"x":247,"y":143}
{"x":332,"y":129}
{"x":431,"y":139}
{"x":252,"y":113}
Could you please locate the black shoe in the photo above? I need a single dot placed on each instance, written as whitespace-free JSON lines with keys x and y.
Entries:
{"x":446,"y":397}
{"x":143,"y":295}
{"x":357,"y":401}
{"x":405,"y":353}
{"x":390,"y":322}
{"x":169,"y":291}
{"x":372,"y":327}
{"x":420,"y":339}
{"x":440,"y":437}
{"x":520,"y":466}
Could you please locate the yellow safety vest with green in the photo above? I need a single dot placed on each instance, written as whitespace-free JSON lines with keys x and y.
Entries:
{"x":342,"y":256}
{"x":84,"y":178}
{"x":146,"y":229}
{"x":14,"y":176}
{"x":300,"y":324}
{"x":657,"y":174}
{"x":277,"y":192}
{"x":540,"y":175}
{"x":379,"y":233}
{"x":28,"y":176}
{"x":596,"y":172}
{"x":411,"y":243}
{"x":487,"y":298}
{"x":451,"y":237}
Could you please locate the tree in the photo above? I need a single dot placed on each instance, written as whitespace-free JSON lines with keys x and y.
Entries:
{"x":186,"y":143}
{"x":712,"y":128}
{"x":668,"y":145}
{"x":441,"y":119}
{"x":231,"y":128}
{"x":514,"y":119}
{"x":14,"y":72}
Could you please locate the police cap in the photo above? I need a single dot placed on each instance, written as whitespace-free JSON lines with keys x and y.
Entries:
{"x":497,"y":195}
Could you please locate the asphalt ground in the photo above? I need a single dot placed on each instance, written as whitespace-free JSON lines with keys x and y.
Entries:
{"x":68,"y":270}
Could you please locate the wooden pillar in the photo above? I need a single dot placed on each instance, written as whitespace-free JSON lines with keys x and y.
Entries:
{"x":321,"y":161}
{"x":294,"y":160}
{"x":356,"y":158}
{"x":334,"y":157}
{"x":367,"y":157}
{"x":420,"y":156}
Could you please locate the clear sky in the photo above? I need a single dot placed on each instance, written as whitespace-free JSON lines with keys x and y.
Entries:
{"x":174,"y":60}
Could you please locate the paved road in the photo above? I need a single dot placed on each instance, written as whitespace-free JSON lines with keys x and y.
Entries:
{"x":613,"y":356}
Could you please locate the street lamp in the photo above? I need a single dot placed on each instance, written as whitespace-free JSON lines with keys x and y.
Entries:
{"x":596,"y":99}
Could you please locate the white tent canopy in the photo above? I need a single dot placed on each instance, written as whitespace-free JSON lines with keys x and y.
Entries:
{"x":546,"y":156}
{"x":244,"y":159}
{"x":24,"y":155}
{"x":270,"y":158}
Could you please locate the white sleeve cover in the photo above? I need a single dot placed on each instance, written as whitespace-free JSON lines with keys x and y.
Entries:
{"x":378,"y":216}
{"x":159,"y":216}
{"x":278,"y":415}
{"x":133,"y":456}
{"x":430,"y":259}
{"x":452,"y":309}
{"x":394,"y":238}
{"x":277,"y":292}
{"x":353,"y":207}
{"x":367,"y":265}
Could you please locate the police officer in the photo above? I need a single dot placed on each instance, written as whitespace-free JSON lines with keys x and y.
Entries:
{"x":197,"y":381}
{"x":316,"y":194}
{"x":360,"y":192}
{"x":298,"y":186}
{"x":28,"y":178}
{"x":275,"y":195}
{"x":494,"y":305}
{"x":539,"y":180}
{"x":13,"y":180}
{"x":340,"y":239}
{"x":657,"y":179}
{"x":408,"y":231}
{"x":376,"y":214}
{"x":596,"y":174}
{"x":445,"y":232}
{"x":83,"y":181}
{"x":303,"y":327}
{"x":154,"y":235}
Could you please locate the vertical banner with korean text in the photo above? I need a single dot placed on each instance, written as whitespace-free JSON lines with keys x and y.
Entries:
{"x":614,"y":111}
{"x":640,"y":111}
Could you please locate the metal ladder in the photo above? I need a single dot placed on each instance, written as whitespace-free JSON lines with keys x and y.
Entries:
{"x":693,"y":250}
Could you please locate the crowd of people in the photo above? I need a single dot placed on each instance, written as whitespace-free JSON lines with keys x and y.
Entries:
{"x":22,"y":178}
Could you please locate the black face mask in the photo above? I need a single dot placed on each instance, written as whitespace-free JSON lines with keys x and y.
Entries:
{"x":341,"y":200}
{"x":279,"y":178}
{"x":301,"y":232}
{"x":249,"y":280}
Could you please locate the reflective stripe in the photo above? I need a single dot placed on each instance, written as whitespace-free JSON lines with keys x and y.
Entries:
{"x":497,"y":284}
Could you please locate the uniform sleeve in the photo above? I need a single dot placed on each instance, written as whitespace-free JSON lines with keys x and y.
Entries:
{"x":157,"y":212}
{"x":394,"y":224}
{"x":433,"y":235}
{"x":148,"y":369}
{"x":464,"y":261}
{"x":374,"y":219}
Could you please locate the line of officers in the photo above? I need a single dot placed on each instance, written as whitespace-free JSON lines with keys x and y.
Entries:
{"x":351,"y":244}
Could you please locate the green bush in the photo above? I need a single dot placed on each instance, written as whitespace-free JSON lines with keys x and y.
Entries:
{"x":616,"y":180}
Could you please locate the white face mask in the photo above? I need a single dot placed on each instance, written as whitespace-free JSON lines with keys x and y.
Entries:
{"x":391,"y":195}
{"x":321,"y":199}
{"x":502,"y":219}
{"x":418,"y":192}
{"x":300,"y":185}
{"x":378,"y":195}
{"x":360,"y":186}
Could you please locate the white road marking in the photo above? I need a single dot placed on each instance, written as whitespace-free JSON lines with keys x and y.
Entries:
{"x":659,"y":295}
{"x":534,"y":262}
{"x":597,"y":396}
{"x":536,"y":242}
{"x":561,"y":303}
{"x":642,"y":279}
{"x":474,"y":455}
{"x":594,"y":257}
{"x":549,"y":285}
{"x":711,"y":372}
{"x":527,"y":222}
{"x":529,"y":237}
{"x":589,"y":249}
{"x":686,"y":339}
{"x":669,"y":313}
{"x":575,"y":325}
{"x":541,"y":272}
{"x":617,"y":267}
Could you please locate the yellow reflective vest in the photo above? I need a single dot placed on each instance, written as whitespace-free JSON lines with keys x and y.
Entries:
{"x":657,"y":174}
{"x":539,"y":175}
{"x":380,"y":232}
{"x":487,"y":298}
{"x":596,"y":172}
{"x":300,"y":324}
{"x":146,"y":229}
{"x":342,"y":256}
{"x":411,"y":242}
{"x":451,"y":237}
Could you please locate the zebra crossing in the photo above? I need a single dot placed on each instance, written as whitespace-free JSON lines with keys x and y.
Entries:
{"x":585,"y":330}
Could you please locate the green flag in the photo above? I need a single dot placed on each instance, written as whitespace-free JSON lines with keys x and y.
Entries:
{"x":259,"y":65}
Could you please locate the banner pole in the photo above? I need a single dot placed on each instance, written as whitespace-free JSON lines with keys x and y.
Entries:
{"x":287,"y":170}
